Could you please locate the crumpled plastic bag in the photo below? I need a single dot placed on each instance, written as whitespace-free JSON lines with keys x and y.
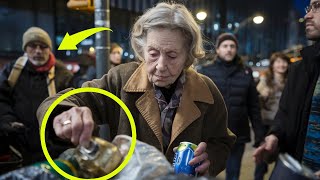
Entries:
{"x":147,"y":162}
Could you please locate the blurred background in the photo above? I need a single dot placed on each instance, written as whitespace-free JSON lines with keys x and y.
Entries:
{"x":278,"y":27}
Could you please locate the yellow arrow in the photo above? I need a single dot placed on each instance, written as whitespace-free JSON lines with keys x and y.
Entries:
{"x":70,"y":42}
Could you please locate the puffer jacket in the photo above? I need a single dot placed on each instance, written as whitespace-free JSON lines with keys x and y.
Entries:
{"x":237,"y":86}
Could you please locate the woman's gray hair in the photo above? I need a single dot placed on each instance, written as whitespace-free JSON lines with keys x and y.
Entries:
{"x":171,"y":16}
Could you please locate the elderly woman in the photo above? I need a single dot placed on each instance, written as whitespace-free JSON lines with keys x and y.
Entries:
{"x":169,"y":101}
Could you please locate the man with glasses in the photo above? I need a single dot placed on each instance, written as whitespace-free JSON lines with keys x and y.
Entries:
{"x":297,"y":131}
{"x":24,"y":84}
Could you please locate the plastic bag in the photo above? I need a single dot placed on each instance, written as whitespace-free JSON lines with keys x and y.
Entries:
{"x":147,"y":162}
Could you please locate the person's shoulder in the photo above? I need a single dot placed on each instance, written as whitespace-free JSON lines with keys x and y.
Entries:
{"x":298,"y":67}
{"x":125,"y":69}
{"x":208,"y":81}
{"x":61,"y":68}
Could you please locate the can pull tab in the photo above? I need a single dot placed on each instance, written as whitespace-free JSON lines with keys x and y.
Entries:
{"x":90,"y":152}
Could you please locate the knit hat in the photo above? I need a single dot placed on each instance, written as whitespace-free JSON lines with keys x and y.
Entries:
{"x":226,"y":36}
{"x":36,"y":34}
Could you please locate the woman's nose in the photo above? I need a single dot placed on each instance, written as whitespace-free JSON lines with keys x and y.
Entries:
{"x":161,"y":65}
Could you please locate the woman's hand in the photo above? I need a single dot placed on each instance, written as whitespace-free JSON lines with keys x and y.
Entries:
{"x":200,"y":156}
{"x":76,"y":125}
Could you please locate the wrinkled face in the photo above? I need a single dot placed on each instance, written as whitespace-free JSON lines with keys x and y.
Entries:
{"x":227,"y":50}
{"x":312,"y":20}
{"x":38,"y":53}
{"x":115,"y":55}
{"x":165,"y":56}
{"x":280,"y":66}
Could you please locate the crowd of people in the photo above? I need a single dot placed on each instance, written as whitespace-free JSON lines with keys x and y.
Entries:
{"x":213,"y":105}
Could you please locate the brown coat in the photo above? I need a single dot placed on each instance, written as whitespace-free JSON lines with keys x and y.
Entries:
{"x":201,"y":116}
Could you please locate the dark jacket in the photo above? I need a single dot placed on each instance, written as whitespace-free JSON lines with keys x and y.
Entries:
{"x":21,"y":102}
{"x":201,"y":115}
{"x":237,"y":86}
{"x":294,"y":109}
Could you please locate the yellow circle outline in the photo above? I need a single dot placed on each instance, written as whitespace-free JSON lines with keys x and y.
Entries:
{"x":81,"y":90}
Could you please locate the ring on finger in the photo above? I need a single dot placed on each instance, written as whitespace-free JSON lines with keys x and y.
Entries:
{"x":66,"y":122}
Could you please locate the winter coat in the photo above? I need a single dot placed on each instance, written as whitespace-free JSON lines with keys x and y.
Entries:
{"x":20,"y":103}
{"x":269,"y":100}
{"x":237,"y":86}
{"x":201,"y":115}
{"x":294,"y":108}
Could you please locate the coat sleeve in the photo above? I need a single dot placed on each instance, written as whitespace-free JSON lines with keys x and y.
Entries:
{"x":7,"y":114}
{"x":254,"y":112}
{"x":282,"y":113}
{"x":100,"y":105}
{"x":220,"y":139}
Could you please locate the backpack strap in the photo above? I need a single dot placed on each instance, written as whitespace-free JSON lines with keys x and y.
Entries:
{"x":50,"y":82}
{"x":16,"y":70}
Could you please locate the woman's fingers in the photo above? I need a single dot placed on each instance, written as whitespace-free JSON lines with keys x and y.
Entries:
{"x":200,"y":149}
{"x":87,"y":127}
{"x":198,"y":159}
{"x":76,"y":125}
{"x":203,"y":168}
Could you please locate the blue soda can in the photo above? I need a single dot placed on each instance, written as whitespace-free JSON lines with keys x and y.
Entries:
{"x":183,"y":155}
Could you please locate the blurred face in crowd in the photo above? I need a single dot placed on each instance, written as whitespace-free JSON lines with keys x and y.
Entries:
{"x":312,"y":20}
{"x":115,"y":55}
{"x":227,"y":50}
{"x":165,"y":56}
{"x":38,"y":53}
{"x":280,"y":66}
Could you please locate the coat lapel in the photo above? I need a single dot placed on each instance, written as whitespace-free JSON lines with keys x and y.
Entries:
{"x":147,"y":103}
{"x":195,"y":89}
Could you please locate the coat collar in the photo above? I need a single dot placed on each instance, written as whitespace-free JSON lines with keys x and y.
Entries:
{"x":195,"y":90}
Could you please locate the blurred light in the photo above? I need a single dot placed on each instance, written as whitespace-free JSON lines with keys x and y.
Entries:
{"x":69,"y":67}
{"x":258,"y":64}
{"x":91,"y":50}
{"x":258,"y":19}
{"x":131,"y":56}
{"x":80,"y":51}
{"x":229,"y":25}
{"x":301,"y":20}
{"x":236,"y":24}
{"x":250,"y":63}
{"x":216,"y":27}
{"x":68,"y":53}
{"x":125,"y":54}
{"x":255,"y":74}
{"x":87,"y":42}
{"x":265,"y":62}
{"x":201,"y":15}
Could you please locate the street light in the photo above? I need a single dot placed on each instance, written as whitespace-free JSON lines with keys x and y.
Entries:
{"x":256,"y":19}
{"x":201,"y":15}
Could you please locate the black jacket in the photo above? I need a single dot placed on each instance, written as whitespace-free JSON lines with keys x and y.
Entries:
{"x":294,"y":108}
{"x":238,"y":88}
{"x":20,"y":104}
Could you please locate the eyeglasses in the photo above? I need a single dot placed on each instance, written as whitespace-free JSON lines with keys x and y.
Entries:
{"x":35,"y":45}
{"x":314,"y":7}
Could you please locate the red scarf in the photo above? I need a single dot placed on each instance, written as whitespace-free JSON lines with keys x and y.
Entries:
{"x":47,"y":66}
